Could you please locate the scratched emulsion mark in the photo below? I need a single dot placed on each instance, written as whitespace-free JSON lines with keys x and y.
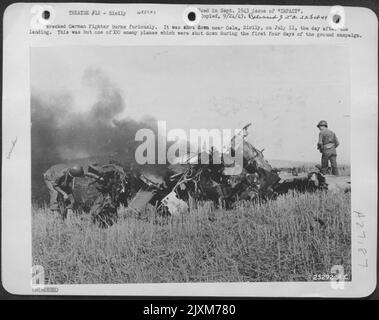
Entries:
{"x":12,"y":147}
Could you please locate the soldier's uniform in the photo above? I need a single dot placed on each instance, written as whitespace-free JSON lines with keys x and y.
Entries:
{"x":58,"y":176}
{"x":327,"y":144}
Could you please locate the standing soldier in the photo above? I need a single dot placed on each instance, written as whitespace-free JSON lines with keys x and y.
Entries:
{"x":59,"y":179}
{"x":327,"y":144}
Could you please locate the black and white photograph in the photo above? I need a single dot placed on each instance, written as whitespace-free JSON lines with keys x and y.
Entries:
{"x":107,"y":209}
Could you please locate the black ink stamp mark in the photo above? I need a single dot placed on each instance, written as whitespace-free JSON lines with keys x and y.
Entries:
{"x":46,"y":14}
{"x":191,"y":16}
{"x":336,"y":18}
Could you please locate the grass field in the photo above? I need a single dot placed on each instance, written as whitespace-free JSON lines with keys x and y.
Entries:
{"x":289,"y":239}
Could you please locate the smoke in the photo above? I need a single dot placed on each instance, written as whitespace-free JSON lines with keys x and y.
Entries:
{"x":60,"y":133}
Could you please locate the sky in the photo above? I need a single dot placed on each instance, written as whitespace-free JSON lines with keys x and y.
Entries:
{"x":283,"y":90}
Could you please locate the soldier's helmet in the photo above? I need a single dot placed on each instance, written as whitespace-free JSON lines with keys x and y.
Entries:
{"x":322,"y":123}
{"x":77,"y":171}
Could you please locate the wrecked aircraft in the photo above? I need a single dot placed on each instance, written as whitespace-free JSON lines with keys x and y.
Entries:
{"x":170,"y":188}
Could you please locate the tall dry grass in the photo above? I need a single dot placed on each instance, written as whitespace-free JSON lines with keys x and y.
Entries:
{"x":289,"y":239}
